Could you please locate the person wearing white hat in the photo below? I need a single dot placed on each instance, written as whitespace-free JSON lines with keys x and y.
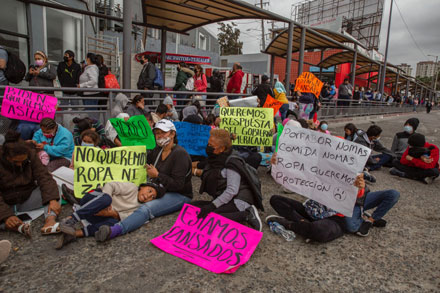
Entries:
{"x":170,"y":165}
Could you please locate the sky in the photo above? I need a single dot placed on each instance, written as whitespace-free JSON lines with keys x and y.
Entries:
{"x":422,"y":18}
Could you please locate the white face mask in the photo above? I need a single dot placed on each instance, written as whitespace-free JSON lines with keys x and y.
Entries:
{"x":87,"y":144}
{"x":163,"y":141}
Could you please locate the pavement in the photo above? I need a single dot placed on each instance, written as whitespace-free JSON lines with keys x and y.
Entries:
{"x":402,"y":257}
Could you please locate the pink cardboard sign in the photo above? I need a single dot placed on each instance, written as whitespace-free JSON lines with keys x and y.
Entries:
{"x":214,"y":243}
{"x":28,"y":106}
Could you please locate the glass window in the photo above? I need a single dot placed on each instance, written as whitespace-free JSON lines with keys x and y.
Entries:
{"x":16,"y":45}
{"x":64,"y":32}
{"x":202,"y":42}
{"x":13,"y":16}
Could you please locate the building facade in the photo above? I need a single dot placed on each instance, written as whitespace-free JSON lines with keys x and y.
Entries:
{"x":426,"y":68}
{"x":407,"y":69}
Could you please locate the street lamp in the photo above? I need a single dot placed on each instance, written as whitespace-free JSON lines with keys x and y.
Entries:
{"x":435,"y":75}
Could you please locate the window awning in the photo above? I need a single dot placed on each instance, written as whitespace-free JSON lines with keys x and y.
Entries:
{"x":183,"y":15}
{"x":313,"y":40}
{"x":346,"y":57}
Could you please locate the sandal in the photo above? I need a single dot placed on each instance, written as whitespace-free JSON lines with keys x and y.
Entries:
{"x":25,"y":229}
{"x":55,"y":229}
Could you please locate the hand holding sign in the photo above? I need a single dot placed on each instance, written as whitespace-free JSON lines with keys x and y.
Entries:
{"x":135,"y":131}
{"x":308,"y":83}
{"x":272,"y":103}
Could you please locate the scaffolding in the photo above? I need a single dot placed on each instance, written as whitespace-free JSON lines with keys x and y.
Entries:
{"x":360,"y":18}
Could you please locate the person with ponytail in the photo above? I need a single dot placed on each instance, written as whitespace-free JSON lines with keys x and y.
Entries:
{"x":89,"y":79}
{"x":25,"y":185}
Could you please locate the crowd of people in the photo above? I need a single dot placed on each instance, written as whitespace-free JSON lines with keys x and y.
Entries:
{"x":31,"y":151}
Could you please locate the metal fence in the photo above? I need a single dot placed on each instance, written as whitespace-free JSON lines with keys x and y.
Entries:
{"x":67,"y":111}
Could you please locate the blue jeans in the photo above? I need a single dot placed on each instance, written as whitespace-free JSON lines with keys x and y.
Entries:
{"x":283,"y":111}
{"x":171,"y":202}
{"x":384,"y":200}
{"x":27,"y":129}
{"x":383,"y":159}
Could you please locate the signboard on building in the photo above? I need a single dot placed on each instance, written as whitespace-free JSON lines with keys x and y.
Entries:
{"x":333,"y":24}
{"x":176,"y":58}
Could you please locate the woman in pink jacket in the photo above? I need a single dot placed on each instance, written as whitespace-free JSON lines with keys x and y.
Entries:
{"x":200,"y":83}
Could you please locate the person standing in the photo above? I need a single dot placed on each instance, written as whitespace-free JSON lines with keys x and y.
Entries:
{"x":68,"y":72}
{"x":216,"y":85}
{"x":147,"y":76}
{"x":89,"y":79}
{"x":200,"y":83}
{"x":235,"y":80}
{"x":183,"y":74}
{"x":345,"y":93}
{"x":3,"y":63}
{"x":262,"y":90}
{"x":428,"y":107}
{"x":280,"y":95}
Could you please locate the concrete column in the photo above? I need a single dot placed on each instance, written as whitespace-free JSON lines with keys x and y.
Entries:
{"x":163,"y":53}
{"x":301,"y":50}
{"x":353,"y":66}
{"x":126,"y":41}
{"x":289,"y":57}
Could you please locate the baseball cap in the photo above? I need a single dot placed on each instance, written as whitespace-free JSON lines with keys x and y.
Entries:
{"x":165,"y":125}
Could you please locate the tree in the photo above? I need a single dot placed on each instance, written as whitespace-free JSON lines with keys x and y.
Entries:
{"x":228,"y":38}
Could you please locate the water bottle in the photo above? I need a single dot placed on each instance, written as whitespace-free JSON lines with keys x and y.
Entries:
{"x":279,"y":229}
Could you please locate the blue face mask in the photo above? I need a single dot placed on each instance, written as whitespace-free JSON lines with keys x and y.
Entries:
{"x":87,"y":144}
{"x":408,"y":129}
{"x":324,"y":127}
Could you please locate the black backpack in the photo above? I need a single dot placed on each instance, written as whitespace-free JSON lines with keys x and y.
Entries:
{"x":15,"y":68}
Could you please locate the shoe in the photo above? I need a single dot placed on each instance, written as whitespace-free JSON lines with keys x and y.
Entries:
{"x":397,"y":172}
{"x":68,"y":195}
{"x":364,"y":230}
{"x":253,"y":218}
{"x":103,"y":234}
{"x":5,"y":249}
{"x":428,"y":180}
{"x":280,"y":220}
{"x":379,"y":223}
{"x":64,"y":239}
{"x":369,"y":177}
{"x":68,"y":229}
{"x":69,"y":221}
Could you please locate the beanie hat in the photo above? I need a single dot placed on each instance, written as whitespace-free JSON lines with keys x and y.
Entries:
{"x":414,"y":122}
{"x":160,"y":189}
{"x":416,"y":140}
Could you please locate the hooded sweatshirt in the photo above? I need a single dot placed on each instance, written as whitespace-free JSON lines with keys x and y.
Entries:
{"x":61,"y":145}
{"x":121,"y":102}
{"x":361,"y":137}
{"x":110,"y":131}
{"x":169,"y":101}
{"x":400,"y":140}
{"x":235,"y":82}
{"x":418,"y":163}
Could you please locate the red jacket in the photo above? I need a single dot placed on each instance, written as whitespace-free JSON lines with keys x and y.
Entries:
{"x":234,"y":84}
{"x":418,"y":163}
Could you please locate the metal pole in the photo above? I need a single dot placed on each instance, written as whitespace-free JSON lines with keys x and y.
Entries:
{"x":320,"y":68}
{"x":126,"y":40}
{"x":407,"y":88}
{"x":272,"y":68}
{"x":301,"y":50}
{"x":378,"y":77}
{"x":262,"y":29}
{"x":397,"y":83}
{"x":382,"y":81}
{"x":163,"y":53}
{"x":289,"y":56}
{"x":353,"y":66}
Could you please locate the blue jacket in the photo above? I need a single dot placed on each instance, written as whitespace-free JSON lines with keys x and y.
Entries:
{"x":60,"y":146}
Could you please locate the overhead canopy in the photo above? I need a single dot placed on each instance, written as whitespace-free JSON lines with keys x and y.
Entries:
{"x":183,"y":15}
{"x":375,"y":67}
{"x":314,"y":40}
{"x":346,"y":57}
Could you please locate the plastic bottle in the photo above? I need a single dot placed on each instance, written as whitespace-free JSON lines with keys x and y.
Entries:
{"x":279,"y":229}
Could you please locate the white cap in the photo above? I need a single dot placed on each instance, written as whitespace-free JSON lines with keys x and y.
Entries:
{"x":165,"y":125}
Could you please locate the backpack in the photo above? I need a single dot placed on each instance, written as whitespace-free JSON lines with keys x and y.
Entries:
{"x":15,"y":68}
{"x":158,"y":81}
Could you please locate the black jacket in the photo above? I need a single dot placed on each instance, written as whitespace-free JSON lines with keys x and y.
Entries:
{"x":147,"y":76}
{"x":68,"y":75}
{"x":262,"y":90}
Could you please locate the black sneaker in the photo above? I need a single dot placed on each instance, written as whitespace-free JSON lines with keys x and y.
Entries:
{"x":280,"y":220}
{"x":428,"y":180}
{"x":370,"y":178}
{"x":380,"y":223}
{"x":397,"y":172}
{"x":103,"y":234}
{"x":64,"y":240}
{"x":253,"y":218}
{"x":68,"y":195}
{"x":364,"y":230}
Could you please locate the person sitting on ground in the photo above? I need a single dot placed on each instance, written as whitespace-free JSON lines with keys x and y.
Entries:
{"x":114,"y":203}
{"x":226,"y":179}
{"x":56,"y":141}
{"x":172,"y":113}
{"x":400,"y":140}
{"x":137,"y":106}
{"x":262,"y":90}
{"x":84,"y":124}
{"x":210,"y":121}
{"x":170,"y":165}
{"x":371,"y":139}
{"x":161,"y":113}
{"x":419,"y":161}
{"x":194,"y":109}
{"x":89,"y":138}
{"x":25,"y":185}
{"x":323,"y":127}
{"x":119,"y":105}
{"x":350,"y":131}
{"x":110,"y":132}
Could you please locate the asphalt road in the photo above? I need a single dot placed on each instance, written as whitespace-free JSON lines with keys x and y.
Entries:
{"x":404,"y":256}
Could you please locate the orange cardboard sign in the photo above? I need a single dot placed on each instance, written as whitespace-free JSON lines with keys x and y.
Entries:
{"x":308,"y":83}
{"x":272,"y":103}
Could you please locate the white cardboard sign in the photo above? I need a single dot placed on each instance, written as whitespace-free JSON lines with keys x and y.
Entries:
{"x":320,"y":166}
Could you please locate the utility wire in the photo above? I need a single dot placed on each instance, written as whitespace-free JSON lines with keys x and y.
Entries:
{"x":407,"y":28}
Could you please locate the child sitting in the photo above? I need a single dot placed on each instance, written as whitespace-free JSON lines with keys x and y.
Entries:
{"x":115,"y":202}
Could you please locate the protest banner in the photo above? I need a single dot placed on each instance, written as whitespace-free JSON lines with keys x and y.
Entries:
{"x":320,"y":166}
{"x":193,"y":137}
{"x":252,"y":126}
{"x":27,"y":106}
{"x":135,"y":131}
{"x":272,"y":103}
{"x":308,"y":83}
{"x":94,"y":167}
{"x":214,"y":243}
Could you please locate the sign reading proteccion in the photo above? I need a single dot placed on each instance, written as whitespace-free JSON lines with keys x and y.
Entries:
{"x":94,"y":167}
{"x":214,"y":243}
{"x":28,"y":106}
{"x":252,"y":126}
{"x":320,"y":166}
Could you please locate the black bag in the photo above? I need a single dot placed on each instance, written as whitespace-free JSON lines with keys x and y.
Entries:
{"x":15,"y":68}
